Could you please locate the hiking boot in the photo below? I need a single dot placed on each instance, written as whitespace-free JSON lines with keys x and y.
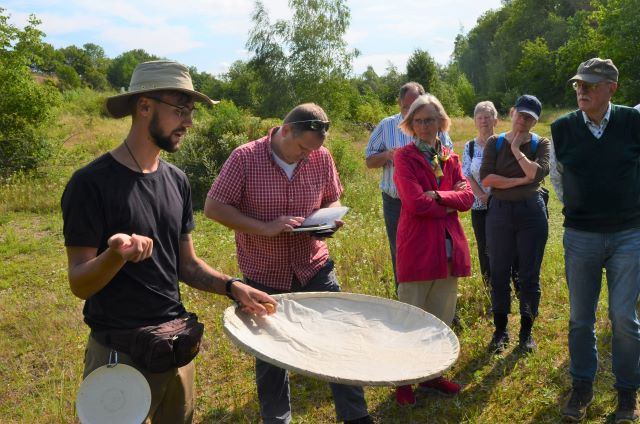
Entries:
{"x":499,"y":342}
{"x":440,"y":386}
{"x":405,"y":396}
{"x":627,"y":411}
{"x":526,"y":344}
{"x":575,"y":409}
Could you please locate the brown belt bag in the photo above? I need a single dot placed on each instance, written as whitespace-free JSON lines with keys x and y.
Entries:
{"x":158,"y":348}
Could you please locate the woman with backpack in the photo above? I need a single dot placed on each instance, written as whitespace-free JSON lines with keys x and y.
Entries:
{"x":485,"y":118}
{"x":513,"y":166}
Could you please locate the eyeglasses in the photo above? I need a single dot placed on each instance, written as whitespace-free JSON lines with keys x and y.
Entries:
{"x":314,"y":124}
{"x":587,"y":86}
{"x":182,"y":111}
{"x":424,"y":122}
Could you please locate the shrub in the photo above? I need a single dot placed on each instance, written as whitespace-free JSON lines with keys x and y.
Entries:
{"x":25,"y":109}
{"x":85,"y":101}
{"x":25,"y":105}
{"x":347,"y":160}
{"x":217,"y":133}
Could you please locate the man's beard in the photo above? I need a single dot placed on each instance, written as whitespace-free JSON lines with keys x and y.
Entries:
{"x":162,"y":141}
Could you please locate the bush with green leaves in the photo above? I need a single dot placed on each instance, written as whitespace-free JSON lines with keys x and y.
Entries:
{"x":216,"y":133}
{"x":85,"y":101}
{"x":25,"y":105}
{"x":347,"y":160}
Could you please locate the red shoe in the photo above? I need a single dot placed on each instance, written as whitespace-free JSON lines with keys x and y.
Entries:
{"x":440,"y":386}
{"x":405,"y":396}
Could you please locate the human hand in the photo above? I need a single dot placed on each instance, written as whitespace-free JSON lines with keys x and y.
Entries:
{"x":253,"y":301}
{"x":282,"y":224}
{"x":516,"y":142}
{"x":460,"y":185}
{"x":390,"y":154}
{"x":432,"y":194}
{"x":484,"y":198}
{"x":132,"y":248}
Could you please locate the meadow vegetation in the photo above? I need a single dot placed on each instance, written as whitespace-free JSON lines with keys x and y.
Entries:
{"x":44,"y":336}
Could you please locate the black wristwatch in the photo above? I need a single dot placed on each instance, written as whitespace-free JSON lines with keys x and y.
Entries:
{"x":227,"y":287}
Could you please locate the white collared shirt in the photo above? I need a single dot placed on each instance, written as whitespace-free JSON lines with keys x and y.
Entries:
{"x":597,"y":130}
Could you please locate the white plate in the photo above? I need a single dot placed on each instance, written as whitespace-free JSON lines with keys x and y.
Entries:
{"x":117,"y":394}
{"x":347,"y":338}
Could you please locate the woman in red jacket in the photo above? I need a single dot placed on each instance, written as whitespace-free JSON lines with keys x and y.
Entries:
{"x":432,"y":250}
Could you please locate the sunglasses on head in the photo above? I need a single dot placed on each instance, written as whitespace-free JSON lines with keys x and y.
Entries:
{"x":314,"y":124}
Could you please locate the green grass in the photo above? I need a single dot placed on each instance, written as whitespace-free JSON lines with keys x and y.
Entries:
{"x":44,"y":336}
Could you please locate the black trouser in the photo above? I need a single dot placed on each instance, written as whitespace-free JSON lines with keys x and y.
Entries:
{"x":520,"y":227}
{"x":478,"y":222}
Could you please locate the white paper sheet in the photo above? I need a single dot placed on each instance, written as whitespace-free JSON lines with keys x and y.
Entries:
{"x":322,"y":219}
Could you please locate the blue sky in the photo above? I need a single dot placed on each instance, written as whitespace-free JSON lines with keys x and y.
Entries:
{"x":211,"y":34}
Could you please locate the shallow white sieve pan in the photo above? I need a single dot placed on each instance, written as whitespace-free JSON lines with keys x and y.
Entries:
{"x":347,"y":338}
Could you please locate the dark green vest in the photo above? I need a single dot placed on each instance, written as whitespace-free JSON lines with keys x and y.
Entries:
{"x":600,"y":177}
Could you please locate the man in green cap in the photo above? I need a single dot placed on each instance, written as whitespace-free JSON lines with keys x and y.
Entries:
{"x":597,"y":154}
{"x":127,"y":228}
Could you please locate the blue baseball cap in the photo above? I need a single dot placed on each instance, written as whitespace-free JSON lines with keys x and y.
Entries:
{"x":529,"y":104}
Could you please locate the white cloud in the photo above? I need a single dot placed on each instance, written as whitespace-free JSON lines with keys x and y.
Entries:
{"x":233,"y":26}
{"x":211,"y":34}
{"x":160,"y":41}
{"x":380,"y":62}
{"x":58,"y":24}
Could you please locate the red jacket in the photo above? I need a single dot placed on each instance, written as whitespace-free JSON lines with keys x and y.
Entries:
{"x":420,"y":243}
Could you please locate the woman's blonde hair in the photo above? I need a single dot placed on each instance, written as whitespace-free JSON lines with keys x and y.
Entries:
{"x":406,"y":125}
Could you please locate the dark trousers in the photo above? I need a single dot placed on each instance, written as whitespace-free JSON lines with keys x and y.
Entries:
{"x":478,"y":222}
{"x":520,"y":227}
{"x":391,"y":210}
{"x":273,"y":382}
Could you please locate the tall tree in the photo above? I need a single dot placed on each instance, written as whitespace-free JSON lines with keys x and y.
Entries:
{"x":304,"y":58}
{"x":618,"y":37}
{"x":121,"y":68}
{"x":422,"y":68}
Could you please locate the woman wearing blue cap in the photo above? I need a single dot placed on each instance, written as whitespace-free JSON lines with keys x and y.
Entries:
{"x":514,"y":165}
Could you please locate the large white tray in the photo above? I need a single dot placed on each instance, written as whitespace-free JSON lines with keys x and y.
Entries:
{"x":347,"y":338}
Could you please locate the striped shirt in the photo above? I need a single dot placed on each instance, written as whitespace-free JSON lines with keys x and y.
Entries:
{"x":251,"y":181}
{"x":387,"y":136}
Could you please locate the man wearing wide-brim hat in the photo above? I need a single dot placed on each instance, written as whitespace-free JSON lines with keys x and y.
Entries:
{"x":597,"y":152}
{"x":127,"y":228}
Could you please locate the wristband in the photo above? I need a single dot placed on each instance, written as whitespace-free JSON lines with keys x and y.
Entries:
{"x":227,"y":287}
{"x":521,"y":157}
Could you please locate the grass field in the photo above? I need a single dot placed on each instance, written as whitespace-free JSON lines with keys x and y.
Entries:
{"x":44,"y":336}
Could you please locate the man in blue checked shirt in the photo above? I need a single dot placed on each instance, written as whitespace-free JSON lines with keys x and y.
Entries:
{"x":384,"y":141}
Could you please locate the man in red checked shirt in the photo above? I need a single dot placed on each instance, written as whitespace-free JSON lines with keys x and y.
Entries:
{"x":263,"y":191}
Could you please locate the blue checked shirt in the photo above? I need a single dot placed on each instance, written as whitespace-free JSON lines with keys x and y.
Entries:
{"x":387,"y":136}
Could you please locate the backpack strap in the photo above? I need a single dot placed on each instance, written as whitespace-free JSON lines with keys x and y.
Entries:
{"x":500,"y":140}
{"x":534,"y":142}
{"x":472,"y":148}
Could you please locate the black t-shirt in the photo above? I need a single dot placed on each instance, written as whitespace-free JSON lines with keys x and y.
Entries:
{"x":105,"y":198}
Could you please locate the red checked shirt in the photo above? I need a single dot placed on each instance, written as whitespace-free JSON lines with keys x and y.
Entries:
{"x":251,"y":181}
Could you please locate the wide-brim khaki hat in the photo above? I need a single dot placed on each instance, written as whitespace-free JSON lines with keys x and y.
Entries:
{"x":155,"y":76}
